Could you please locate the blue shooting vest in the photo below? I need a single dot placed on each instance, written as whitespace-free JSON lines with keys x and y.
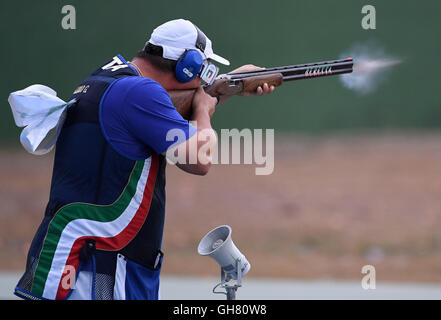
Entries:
{"x":105,"y":212}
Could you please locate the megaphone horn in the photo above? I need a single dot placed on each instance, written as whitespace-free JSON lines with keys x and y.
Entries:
{"x":218,"y":244}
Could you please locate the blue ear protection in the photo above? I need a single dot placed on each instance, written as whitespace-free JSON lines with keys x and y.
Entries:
{"x":189,"y":66}
{"x":191,"y":62}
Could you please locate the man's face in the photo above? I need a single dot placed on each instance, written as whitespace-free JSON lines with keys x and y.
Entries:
{"x":193,"y":84}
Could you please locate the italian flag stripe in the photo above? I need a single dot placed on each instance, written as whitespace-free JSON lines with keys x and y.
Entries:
{"x":111,"y":226}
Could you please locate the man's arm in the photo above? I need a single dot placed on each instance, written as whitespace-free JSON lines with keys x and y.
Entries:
{"x":200,"y":146}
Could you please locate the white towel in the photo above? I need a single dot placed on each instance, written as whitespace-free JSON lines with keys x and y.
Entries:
{"x":38,"y":108}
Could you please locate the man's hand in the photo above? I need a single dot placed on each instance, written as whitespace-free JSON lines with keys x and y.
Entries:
{"x":265,"y":89}
{"x":203,"y":102}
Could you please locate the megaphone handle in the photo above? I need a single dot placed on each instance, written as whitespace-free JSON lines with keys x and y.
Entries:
{"x":231,"y":290}
{"x":239,"y":273}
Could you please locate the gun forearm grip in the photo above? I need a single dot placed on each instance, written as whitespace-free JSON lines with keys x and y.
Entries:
{"x":251,"y":84}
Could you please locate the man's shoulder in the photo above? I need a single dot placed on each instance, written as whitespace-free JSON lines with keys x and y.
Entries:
{"x":138,"y":84}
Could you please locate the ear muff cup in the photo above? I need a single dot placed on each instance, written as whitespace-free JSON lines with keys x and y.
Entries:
{"x":189,"y":66}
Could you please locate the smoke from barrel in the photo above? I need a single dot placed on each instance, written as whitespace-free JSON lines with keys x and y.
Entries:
{"x":371,"y":67}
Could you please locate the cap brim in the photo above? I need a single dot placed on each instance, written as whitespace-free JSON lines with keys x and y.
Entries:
{"x":219,"y":59}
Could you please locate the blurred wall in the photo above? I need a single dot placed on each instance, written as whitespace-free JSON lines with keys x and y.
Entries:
{"x":35,"y":49}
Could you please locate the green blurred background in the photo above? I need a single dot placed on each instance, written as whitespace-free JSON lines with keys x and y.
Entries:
{"x":336,"y":202}
{"x":35,"y":49}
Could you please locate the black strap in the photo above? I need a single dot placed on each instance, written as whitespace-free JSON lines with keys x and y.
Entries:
{"x":149,"y":257}
{"x":201,"y":40}
{"x":88,"y":250}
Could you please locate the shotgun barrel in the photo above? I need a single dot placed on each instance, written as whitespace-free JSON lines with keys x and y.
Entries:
{"x":302,"y":71}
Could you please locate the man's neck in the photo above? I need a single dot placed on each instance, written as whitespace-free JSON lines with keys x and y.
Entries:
{"x":166,"y":79}
{"x":146,"y":69}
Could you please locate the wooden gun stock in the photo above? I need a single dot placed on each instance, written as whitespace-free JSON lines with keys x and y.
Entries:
{"x":183,"y":100}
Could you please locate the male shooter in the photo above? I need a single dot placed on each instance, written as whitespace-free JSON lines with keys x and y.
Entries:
{"x":103,"y":225}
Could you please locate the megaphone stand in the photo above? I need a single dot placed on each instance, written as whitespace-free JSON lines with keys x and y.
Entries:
{"x":229,"y":283}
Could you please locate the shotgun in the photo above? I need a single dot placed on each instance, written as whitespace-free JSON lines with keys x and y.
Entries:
{"x":235,"y":83}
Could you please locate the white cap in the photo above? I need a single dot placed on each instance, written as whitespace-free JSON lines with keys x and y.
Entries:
{"x":176,"y":36}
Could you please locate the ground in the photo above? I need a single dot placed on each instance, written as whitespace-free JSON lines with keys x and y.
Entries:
{"x":333,"y":204}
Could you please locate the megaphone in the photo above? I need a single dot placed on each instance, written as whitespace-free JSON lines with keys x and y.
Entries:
{"x":218,"y":244}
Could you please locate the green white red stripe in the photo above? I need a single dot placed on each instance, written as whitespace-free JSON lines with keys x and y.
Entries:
{"x":111,"y":226}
